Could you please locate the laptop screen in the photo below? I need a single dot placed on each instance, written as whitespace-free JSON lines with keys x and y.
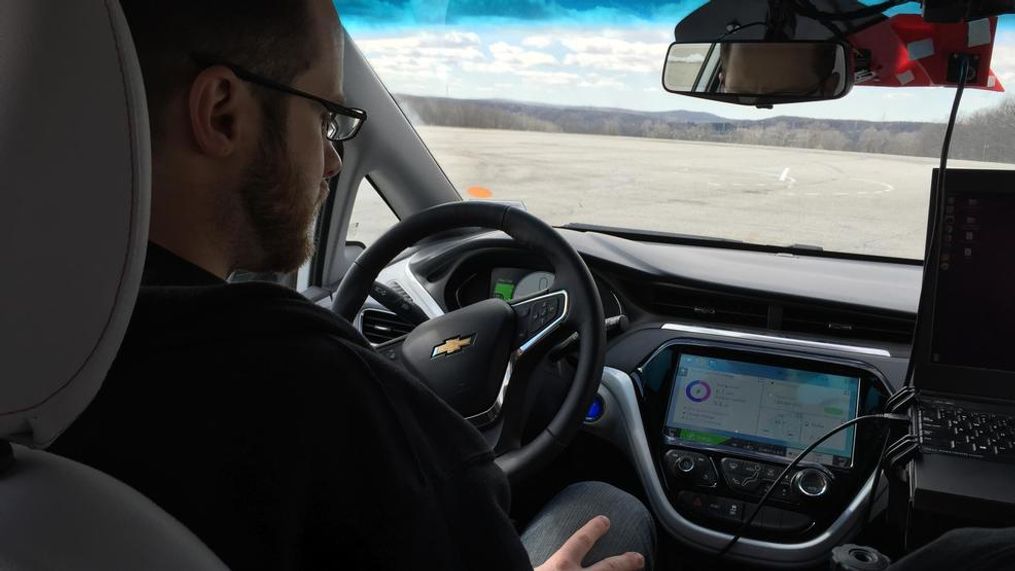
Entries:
{"x":969,"y":289}
{"x":974,"y":307}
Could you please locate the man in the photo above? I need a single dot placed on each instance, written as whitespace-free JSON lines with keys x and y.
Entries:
{"x":785,"y":68}
{"x":266,"y":424}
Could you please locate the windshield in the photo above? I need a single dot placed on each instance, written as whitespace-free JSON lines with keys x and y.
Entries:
{"x":558,"y":104}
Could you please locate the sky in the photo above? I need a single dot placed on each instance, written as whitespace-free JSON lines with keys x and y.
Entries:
{"x":601,"y":53}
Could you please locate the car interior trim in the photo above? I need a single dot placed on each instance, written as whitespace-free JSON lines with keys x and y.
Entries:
{"x":776,"y":339}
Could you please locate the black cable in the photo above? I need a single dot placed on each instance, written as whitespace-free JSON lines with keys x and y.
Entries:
{"x":939,"y":203}
{"x":796,"y":461}
{"x":877,"y":476}
{"x":737,"y":29}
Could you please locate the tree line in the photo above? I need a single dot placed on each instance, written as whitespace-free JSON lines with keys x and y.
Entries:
{"x":987,"y":135}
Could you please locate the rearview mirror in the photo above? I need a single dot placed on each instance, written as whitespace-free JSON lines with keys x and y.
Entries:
{"x":759,"y":73}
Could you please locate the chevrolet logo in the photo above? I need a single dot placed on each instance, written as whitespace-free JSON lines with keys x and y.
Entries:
{"x":453,"y":345}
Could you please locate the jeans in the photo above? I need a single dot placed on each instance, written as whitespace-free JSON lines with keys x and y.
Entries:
{"x":632,"y":527}
{"x":967,"y":549}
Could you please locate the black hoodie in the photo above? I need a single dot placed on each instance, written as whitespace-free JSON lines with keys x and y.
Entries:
{"x":272,"y":430}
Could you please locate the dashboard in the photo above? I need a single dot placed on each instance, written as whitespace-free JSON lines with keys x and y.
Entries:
{"x":732,"y":363}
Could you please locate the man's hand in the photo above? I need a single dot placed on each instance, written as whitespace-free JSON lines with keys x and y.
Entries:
{"x":569,"y":556}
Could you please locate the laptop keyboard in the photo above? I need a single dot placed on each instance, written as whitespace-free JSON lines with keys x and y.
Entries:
{"x":950,"y":429}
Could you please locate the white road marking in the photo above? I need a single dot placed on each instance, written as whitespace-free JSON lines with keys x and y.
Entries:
{"x":885,"y":187}
{"x":785,"y":173}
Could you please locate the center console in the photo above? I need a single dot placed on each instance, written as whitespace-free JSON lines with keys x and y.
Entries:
{"x":723,"y":421}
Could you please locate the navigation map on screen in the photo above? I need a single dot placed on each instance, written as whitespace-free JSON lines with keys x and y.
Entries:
{"x":762,"y":408}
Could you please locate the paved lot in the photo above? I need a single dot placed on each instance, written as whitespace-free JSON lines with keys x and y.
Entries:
{"x":867,"y":203}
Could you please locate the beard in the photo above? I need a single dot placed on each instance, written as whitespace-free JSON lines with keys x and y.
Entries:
{"x":279,"y":211}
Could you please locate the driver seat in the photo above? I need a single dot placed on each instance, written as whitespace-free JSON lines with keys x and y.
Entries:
{"x":74,"y":200}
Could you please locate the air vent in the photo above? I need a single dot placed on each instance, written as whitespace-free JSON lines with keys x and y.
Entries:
{"x":847,"y":324}
{"x":709,"y":307}
{"x":380,"y":326}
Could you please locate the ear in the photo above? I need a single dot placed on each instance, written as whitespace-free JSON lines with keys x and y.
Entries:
{"x":220,"y":109}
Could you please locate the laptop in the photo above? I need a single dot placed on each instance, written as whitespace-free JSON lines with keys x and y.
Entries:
{"x":964,"y":368}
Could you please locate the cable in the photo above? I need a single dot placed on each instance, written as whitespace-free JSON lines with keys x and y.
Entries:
{"x":877,"y":476}
{"x":796,"y":461}
{"x":939,"y":204}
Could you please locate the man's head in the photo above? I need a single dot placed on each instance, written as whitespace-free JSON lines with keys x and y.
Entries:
{"x":240,"y":170}
{"x":787,"y":68}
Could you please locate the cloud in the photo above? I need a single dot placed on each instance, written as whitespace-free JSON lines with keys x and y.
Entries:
{"x":550,"y":77}
{"x":614,"y":54}
{"x":422,"y":56}
{"x":601,"y":82}
{"x":600,"y":59}
{"x":1003,"y":60}
{"x":692,"y":58}
{"x":538,"y":42}
{"x":514,"y":55}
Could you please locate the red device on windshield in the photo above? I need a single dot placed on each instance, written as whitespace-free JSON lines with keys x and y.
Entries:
{"x":907,"y":51}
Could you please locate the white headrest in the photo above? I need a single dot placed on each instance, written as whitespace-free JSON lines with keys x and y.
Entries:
{"x":74,"y":201}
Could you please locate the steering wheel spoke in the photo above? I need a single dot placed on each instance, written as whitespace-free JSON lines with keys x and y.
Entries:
{"x":392,"y":350}
{"x":538,"y":317}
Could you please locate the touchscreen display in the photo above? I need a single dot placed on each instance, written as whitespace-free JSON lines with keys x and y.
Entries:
{"x":762,"y":408}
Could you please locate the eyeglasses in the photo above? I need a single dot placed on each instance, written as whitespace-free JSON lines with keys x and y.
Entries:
{"x":343,"y":122}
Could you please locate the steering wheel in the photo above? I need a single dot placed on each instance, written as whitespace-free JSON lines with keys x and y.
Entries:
{"x":480,"y":359}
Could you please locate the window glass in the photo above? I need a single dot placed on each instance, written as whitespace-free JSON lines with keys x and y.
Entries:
{"x":371,"y":216}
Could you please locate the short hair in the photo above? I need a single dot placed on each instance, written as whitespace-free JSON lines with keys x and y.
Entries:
{"x":266,"y":37}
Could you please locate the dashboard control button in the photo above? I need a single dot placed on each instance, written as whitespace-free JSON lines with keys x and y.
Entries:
{"x":743,"y":483}
{"x":732,"y":510}
{"x":708,"y":477}
{"x":684,"y":464}
{"x":785,"y":492}
{"x":670,"y":462}
{"x":770,"y":472}
{"x":691,"y":501}
{"x":692,"y":466}
{"x":714,"y":507}
{"x":811,"y":482}
{"x":741,"y":476}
